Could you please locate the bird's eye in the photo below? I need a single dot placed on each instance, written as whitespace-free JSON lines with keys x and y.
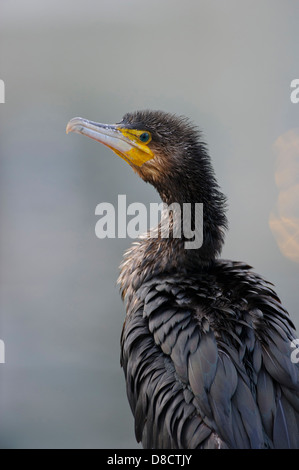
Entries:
{"x":144,"y":137}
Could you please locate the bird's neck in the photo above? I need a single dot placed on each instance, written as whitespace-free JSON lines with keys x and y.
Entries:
{"x":200,"y":222}
{"x":156,"y":254}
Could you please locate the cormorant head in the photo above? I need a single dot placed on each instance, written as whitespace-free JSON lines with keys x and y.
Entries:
{"x":164,"y":149}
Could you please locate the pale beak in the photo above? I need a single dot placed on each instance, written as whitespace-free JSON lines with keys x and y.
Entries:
{"x":126,"y":146}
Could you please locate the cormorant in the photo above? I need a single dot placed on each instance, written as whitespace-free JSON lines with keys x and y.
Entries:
{"x":206,"y":344}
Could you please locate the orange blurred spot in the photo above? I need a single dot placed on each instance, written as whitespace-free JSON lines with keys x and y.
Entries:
{"x":284,"y":220}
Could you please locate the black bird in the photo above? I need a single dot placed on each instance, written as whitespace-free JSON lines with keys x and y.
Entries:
{"x":206,"y":344}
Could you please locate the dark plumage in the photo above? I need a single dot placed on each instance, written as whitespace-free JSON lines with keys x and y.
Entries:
{"x":206,"y":344}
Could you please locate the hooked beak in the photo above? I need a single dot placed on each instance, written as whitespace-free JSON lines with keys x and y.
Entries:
{"x":122,"y":141}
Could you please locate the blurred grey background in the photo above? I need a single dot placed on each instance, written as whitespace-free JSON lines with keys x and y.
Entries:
{"x":227,"y":65}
